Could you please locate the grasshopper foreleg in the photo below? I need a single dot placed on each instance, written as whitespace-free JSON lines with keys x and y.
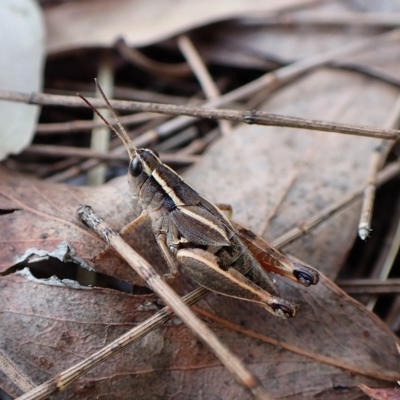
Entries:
{"x":133,"y":224}
{"x":169,"y":258}
{"x":128,"y":228}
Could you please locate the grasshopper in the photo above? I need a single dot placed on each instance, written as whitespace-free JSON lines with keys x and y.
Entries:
{"x":197,"y":238}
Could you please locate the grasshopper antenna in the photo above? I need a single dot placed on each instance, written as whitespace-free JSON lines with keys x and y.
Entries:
{"x":127,"y":142}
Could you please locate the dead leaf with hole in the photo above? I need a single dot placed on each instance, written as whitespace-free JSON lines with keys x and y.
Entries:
{"x":332,"y":345}
{"x":39,"y":219}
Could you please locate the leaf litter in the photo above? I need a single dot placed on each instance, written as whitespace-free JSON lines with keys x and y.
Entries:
{"x":333,"y":345}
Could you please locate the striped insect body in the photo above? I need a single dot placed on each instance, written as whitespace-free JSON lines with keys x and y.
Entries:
{"x":199,"y":240}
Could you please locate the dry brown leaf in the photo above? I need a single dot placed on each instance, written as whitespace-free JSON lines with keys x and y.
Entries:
{"x":101,"y":23}
{"x":40,"y":218}
{"x":56,"y":324}
{"x":334,"y":342}
{"x":333,"y":345}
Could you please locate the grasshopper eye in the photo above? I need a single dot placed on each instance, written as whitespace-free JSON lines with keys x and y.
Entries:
{"x":135,"y":167}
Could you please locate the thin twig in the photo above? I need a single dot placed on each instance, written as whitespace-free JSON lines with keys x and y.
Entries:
{"x":156,"y":283}
{"x":49,"y":150}
{"x":61,"y":128}
{"x":203,"y":76}
{"x":386,"y":174}
{"x":158,"y":68}
{"x":364,"y":226}
{"x":249,"y":117}
{"x":282,"y":76}
{"x":370,"y":286}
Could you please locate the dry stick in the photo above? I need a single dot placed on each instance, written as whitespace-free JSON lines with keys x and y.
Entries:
{"x":281,"y":76}
{"x":68,"y":376}
{"x":187,"y":135}
{"x":158,"y":285}
{"x":386,"y":174}
{"x":61,"y":128}
{"x":332,"y":18}
{"x":69,"y":151}
{"x":203,"y":76}
{"x":275,"y":78}
{"x":370,"y":286}
{"x":364,"y":226}
{"x":158,"y":68}
{"x":249,"y":117}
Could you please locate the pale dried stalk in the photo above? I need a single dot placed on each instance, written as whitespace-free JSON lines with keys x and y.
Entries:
{"x":198,"y":67}
{"x":61,"y":128}
{"x":249,"y":117}
{"x":158,"y":285}
{"x":100,"y":139}
{"x":364,"y":226}
{"x":367,"y":206}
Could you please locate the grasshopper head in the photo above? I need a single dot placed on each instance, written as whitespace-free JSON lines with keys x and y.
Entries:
{"x":141,"y":166}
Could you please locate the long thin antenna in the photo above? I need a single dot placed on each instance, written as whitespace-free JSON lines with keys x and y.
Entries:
{"x":119,"y":134}
{"x":122,"y":129}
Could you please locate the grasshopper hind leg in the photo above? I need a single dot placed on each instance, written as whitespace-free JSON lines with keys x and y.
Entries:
{"x":202,"y":266}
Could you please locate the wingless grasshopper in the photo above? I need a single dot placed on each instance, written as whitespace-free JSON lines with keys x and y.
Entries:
{"x":196,"y":236}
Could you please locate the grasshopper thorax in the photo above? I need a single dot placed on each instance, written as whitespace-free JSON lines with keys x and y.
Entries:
{"x":141,"y":166}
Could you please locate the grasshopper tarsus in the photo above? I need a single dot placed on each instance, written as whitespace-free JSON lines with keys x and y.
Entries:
{"x":305,"y":275}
